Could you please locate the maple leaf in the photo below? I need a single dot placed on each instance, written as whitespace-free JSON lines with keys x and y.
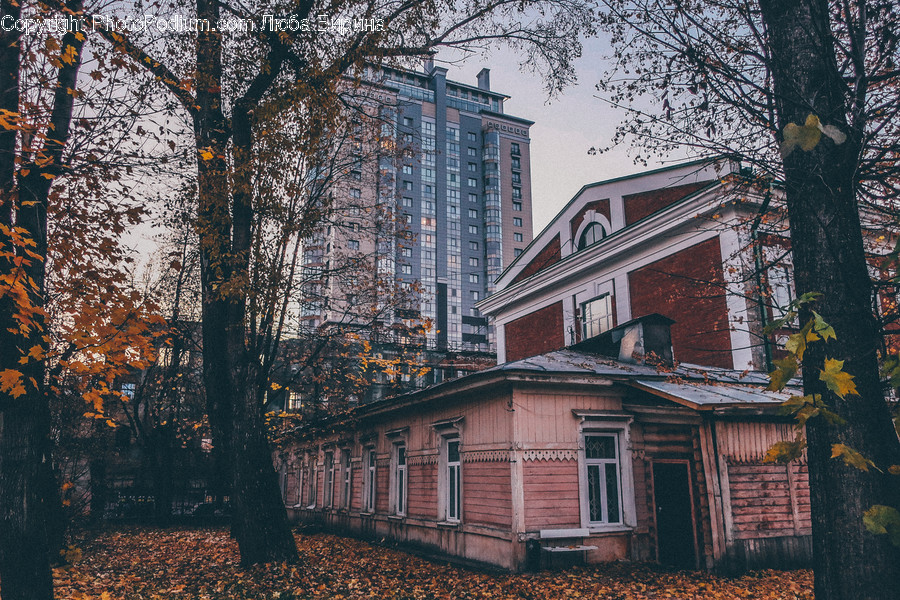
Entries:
{"x":11,"y":383}
{"x":883,"y":520}
{"x":851,"y":457}
{"x":785,"y":369}
{"x":785,"y":452}
{"x":836,"y":379}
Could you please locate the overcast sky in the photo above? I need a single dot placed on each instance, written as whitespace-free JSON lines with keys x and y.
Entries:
{"x":564,"y":128}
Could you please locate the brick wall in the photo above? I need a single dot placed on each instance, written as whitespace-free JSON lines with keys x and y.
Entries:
{"x":599,"y":206}
{"x":638,"y":206}
{"x":688,"y":287}
{"x":550,"y":254}
{"x":536,"y":333}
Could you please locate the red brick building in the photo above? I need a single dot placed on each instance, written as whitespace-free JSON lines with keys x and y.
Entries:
{"x":676,"y":241}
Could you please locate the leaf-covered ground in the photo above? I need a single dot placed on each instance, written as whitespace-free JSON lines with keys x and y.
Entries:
{"x":203,"y":564}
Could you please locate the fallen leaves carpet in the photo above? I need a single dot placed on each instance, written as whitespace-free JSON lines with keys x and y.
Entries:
{"x":203,"y":564}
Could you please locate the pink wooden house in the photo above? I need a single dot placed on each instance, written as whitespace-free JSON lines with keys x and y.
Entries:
{"x":581,"y":452}
{"x":572,"y":446}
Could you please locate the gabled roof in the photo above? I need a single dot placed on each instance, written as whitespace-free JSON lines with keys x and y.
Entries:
{"x":672,"y":175}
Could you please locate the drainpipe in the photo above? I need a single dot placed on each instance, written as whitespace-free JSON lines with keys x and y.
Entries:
{"x":758,"y":266}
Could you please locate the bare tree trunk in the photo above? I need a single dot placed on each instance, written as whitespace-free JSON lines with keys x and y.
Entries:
{"x":821,"y":190}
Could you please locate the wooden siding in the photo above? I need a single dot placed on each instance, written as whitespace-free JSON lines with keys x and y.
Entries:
{"x":748,"y":442}
{"x":382,"y":489}
{"x":486,"y":493}
{"x":422,"y":501}
{"x":356,"y":487}
{"x":768,"y":501}
{"x":545,"y":416}
{"x":551,"y":494}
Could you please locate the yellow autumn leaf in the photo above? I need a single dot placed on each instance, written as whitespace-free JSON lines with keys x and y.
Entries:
{"x":836,"y":379}
{"x":805,"y":136}
{"x":851,"y":457}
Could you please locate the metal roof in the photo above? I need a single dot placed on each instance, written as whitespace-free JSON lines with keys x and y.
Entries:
{"x":697,"y":395}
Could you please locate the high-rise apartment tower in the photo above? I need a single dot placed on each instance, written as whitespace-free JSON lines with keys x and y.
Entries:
{"x":463,"y":191}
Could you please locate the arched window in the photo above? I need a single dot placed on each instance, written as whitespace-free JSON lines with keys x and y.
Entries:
{"x":592,"y":234}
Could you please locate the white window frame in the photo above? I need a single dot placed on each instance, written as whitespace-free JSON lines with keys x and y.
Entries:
{"x":619,"y":425}
{"x":399,"y":480}
{"x":601,"y":324}
{"x":450,"y":496}
{"x":346,"y":470}
{"x":312,"y":474}
{"x":370,"y":479}
{"x":328,"y":491}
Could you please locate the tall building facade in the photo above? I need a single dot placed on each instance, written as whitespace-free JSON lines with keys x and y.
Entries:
{"x":462,"y":190}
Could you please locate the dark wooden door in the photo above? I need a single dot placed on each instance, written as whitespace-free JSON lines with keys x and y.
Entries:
{"x":674,"y":516}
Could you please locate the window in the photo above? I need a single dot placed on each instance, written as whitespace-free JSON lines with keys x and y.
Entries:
{"x":353,"y":244}
{"x":128,"y":389}
{"x":453,"y":479}
{"x":473,"y":245}
{"x":473,"y":277}
{"x":294,"y":401}
{"x":514,"y":149}
{"x":780,"y":283}
{"x":408,"y":186}
{"x":472,"y":182}
{"x":517,"y":193}
{"x":473,"y":197}
{"x":473,"y":213}
{"x":473,"y":262}
{"x":328,"y":499}
{"x":591,"y":235}
{"x":407,"y":201}
{"x":407,"y":121}
{"x":406,"y":252}
{"x":473,"y":229}
{"x":472,"y":152}
{"x":406,"y":269}
{"x":398,"y":480}
{"x":601,"y":457}
{"x":516,"y":162}
{"x":475,"y":295}
{"x":355,"y":193}
{"x":369,"y":481}
{"x":596,"y":316}
{"x":346,"y":474}
{"x":357,"y":175}
{"x":473,"y":167}
{"x":517,"y":237}
{"x":517,"y":206}
{"x":311,"y":480}
{"x":517,"y":221}
{"x":517,"y":251}
{"x":517,"y":179}
{"x":472,"y":136}
{"x":407,"y":169}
